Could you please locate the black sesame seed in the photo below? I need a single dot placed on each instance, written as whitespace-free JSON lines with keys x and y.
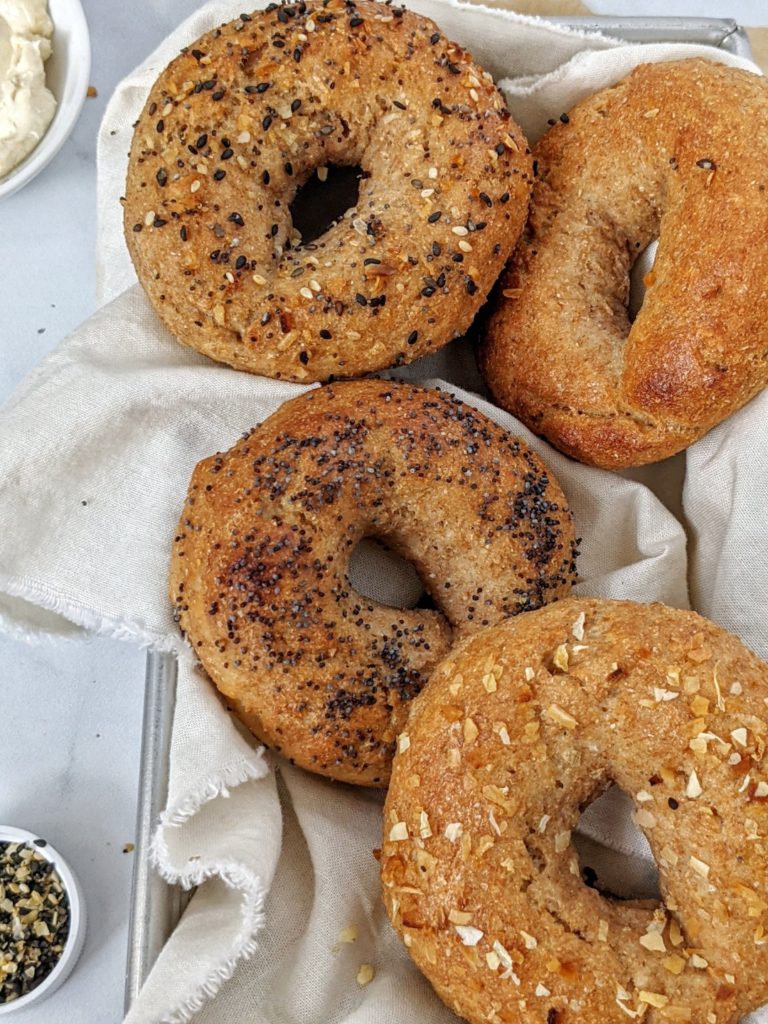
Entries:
{"x":434,"y":38}
{"x":428,"y":291}
{"x":152,"y":109}
{"x":162,"y":177}
{"x":399,"y":105}
{"x":412,"y":337}
{"x":137,"y":228}
{"x":371,"y":261}
{"x":433,"y":218}
{"x":504,"y":197}
{"x":295,"y":105}
{"x":197,"y":54}
{"x":183,"y":234}
{"x":266,"y":122}
{"x":361,"y":300}
{"x":160,"y":125}
{"x":673,"y":804}
{"x":304,"y":358}
{"x":273,"y":230}
{"x":202,"y":141}
{"x":535,"y":168}
{"x":218,"y":95}
{"x":240,"y":262}
{"x":471,"y":286}
{"x":288,"y":168}
{"x":326,"y":334}
{"x":564,"y":118}
{"x":158,"y":222}
{"x":219,"y":174}
{"x":436,"y":250}
{"x":355,"y":22}
{"x":227,"y":154}
{"x":265,"y":177}
{"x":458,"y":257}
{"x":454,"y":68}
{"x":297,"y":54}
{"x":486,"y":199}
{"x":235,"y":218}
{"x":500,"y":149}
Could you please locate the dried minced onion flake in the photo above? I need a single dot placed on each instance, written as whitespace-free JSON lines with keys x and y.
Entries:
{"x":34,"y":919}
{"x":469,"y":936}
{"x":398,"y":832}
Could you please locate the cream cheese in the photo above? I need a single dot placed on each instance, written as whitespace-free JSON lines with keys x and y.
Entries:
{"x":26,"y":105}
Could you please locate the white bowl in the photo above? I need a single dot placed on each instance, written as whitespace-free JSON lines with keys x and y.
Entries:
{"x":66,"y":74}
{"x":74,"y":944}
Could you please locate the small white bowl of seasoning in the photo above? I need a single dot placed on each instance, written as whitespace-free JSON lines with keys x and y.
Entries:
{"x":42,"y":919}
{"x":67,"y":70}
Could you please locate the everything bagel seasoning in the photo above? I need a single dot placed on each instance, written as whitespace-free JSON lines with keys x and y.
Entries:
{"x":34,"y":919}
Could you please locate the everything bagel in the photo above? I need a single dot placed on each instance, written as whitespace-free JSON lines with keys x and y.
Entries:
{"x":244,"y":116}
{"x":521,"y":727}
{"x":260,"y":560}
{"x":677,"y":151}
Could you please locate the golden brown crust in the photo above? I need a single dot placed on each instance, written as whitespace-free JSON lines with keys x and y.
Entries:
{"x":243,"y":117}
{"x":259,"y":571}
{"x":519,"y":729}
{"x":675,"y":150}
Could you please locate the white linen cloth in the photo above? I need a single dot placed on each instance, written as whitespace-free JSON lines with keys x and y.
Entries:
{"x":98,"y":446}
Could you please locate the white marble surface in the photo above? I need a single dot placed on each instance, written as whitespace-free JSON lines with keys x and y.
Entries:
{"x":71,"y":714}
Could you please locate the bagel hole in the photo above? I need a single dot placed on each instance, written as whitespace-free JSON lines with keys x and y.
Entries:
{"x":379,"y":573}
{"x":318,"y":205}
{"x":643,"y":265}
{"x":626,"y":870}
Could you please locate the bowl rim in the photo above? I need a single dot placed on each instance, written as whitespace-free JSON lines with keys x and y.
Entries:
{"x":74,"y":941}
{"x":64,"y":119}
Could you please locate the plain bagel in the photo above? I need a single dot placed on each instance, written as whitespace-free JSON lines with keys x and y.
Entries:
{"x":677,"y":151}
{"x":520,"y":728}
{"x":244,"y":116}
{"x":260,"y":561}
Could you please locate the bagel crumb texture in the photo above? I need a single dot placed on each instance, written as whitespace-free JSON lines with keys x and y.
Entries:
{"x":247,"y":114}
{"x":676,"y":151}
{"x":490,"y":903}
{"x":261,"y":556}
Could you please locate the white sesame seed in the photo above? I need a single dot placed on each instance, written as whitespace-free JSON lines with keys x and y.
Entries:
{"x":149,"y":216}
{"x":258,"y":279}
{"x":194,"y":186}
{"x":542,"y":991}
{"x":465,"y":246}
{"x":427,"y":192}
{"x":306,"y":293}
{"x":244,"y":137}
{"x":432,"y":173}
{"x":459,"y":229}
{"x":404,"y":742}
{"x":322,"y":173}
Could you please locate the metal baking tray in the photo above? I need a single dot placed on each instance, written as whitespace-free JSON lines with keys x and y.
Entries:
{"x":156,"y":906}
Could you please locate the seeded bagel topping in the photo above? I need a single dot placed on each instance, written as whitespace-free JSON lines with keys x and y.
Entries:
{"x":34,"y":919}
{"x":254,"y":111}
{"x":260,"y":577}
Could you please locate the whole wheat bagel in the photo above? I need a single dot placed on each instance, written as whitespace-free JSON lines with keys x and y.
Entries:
{"x":520,"y":728}
{"x":677,"y":151}
{"x":259,"y":571}
{"x":243,"y":117}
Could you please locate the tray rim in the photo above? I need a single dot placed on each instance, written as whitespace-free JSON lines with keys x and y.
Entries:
{"x":156,"y":907}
